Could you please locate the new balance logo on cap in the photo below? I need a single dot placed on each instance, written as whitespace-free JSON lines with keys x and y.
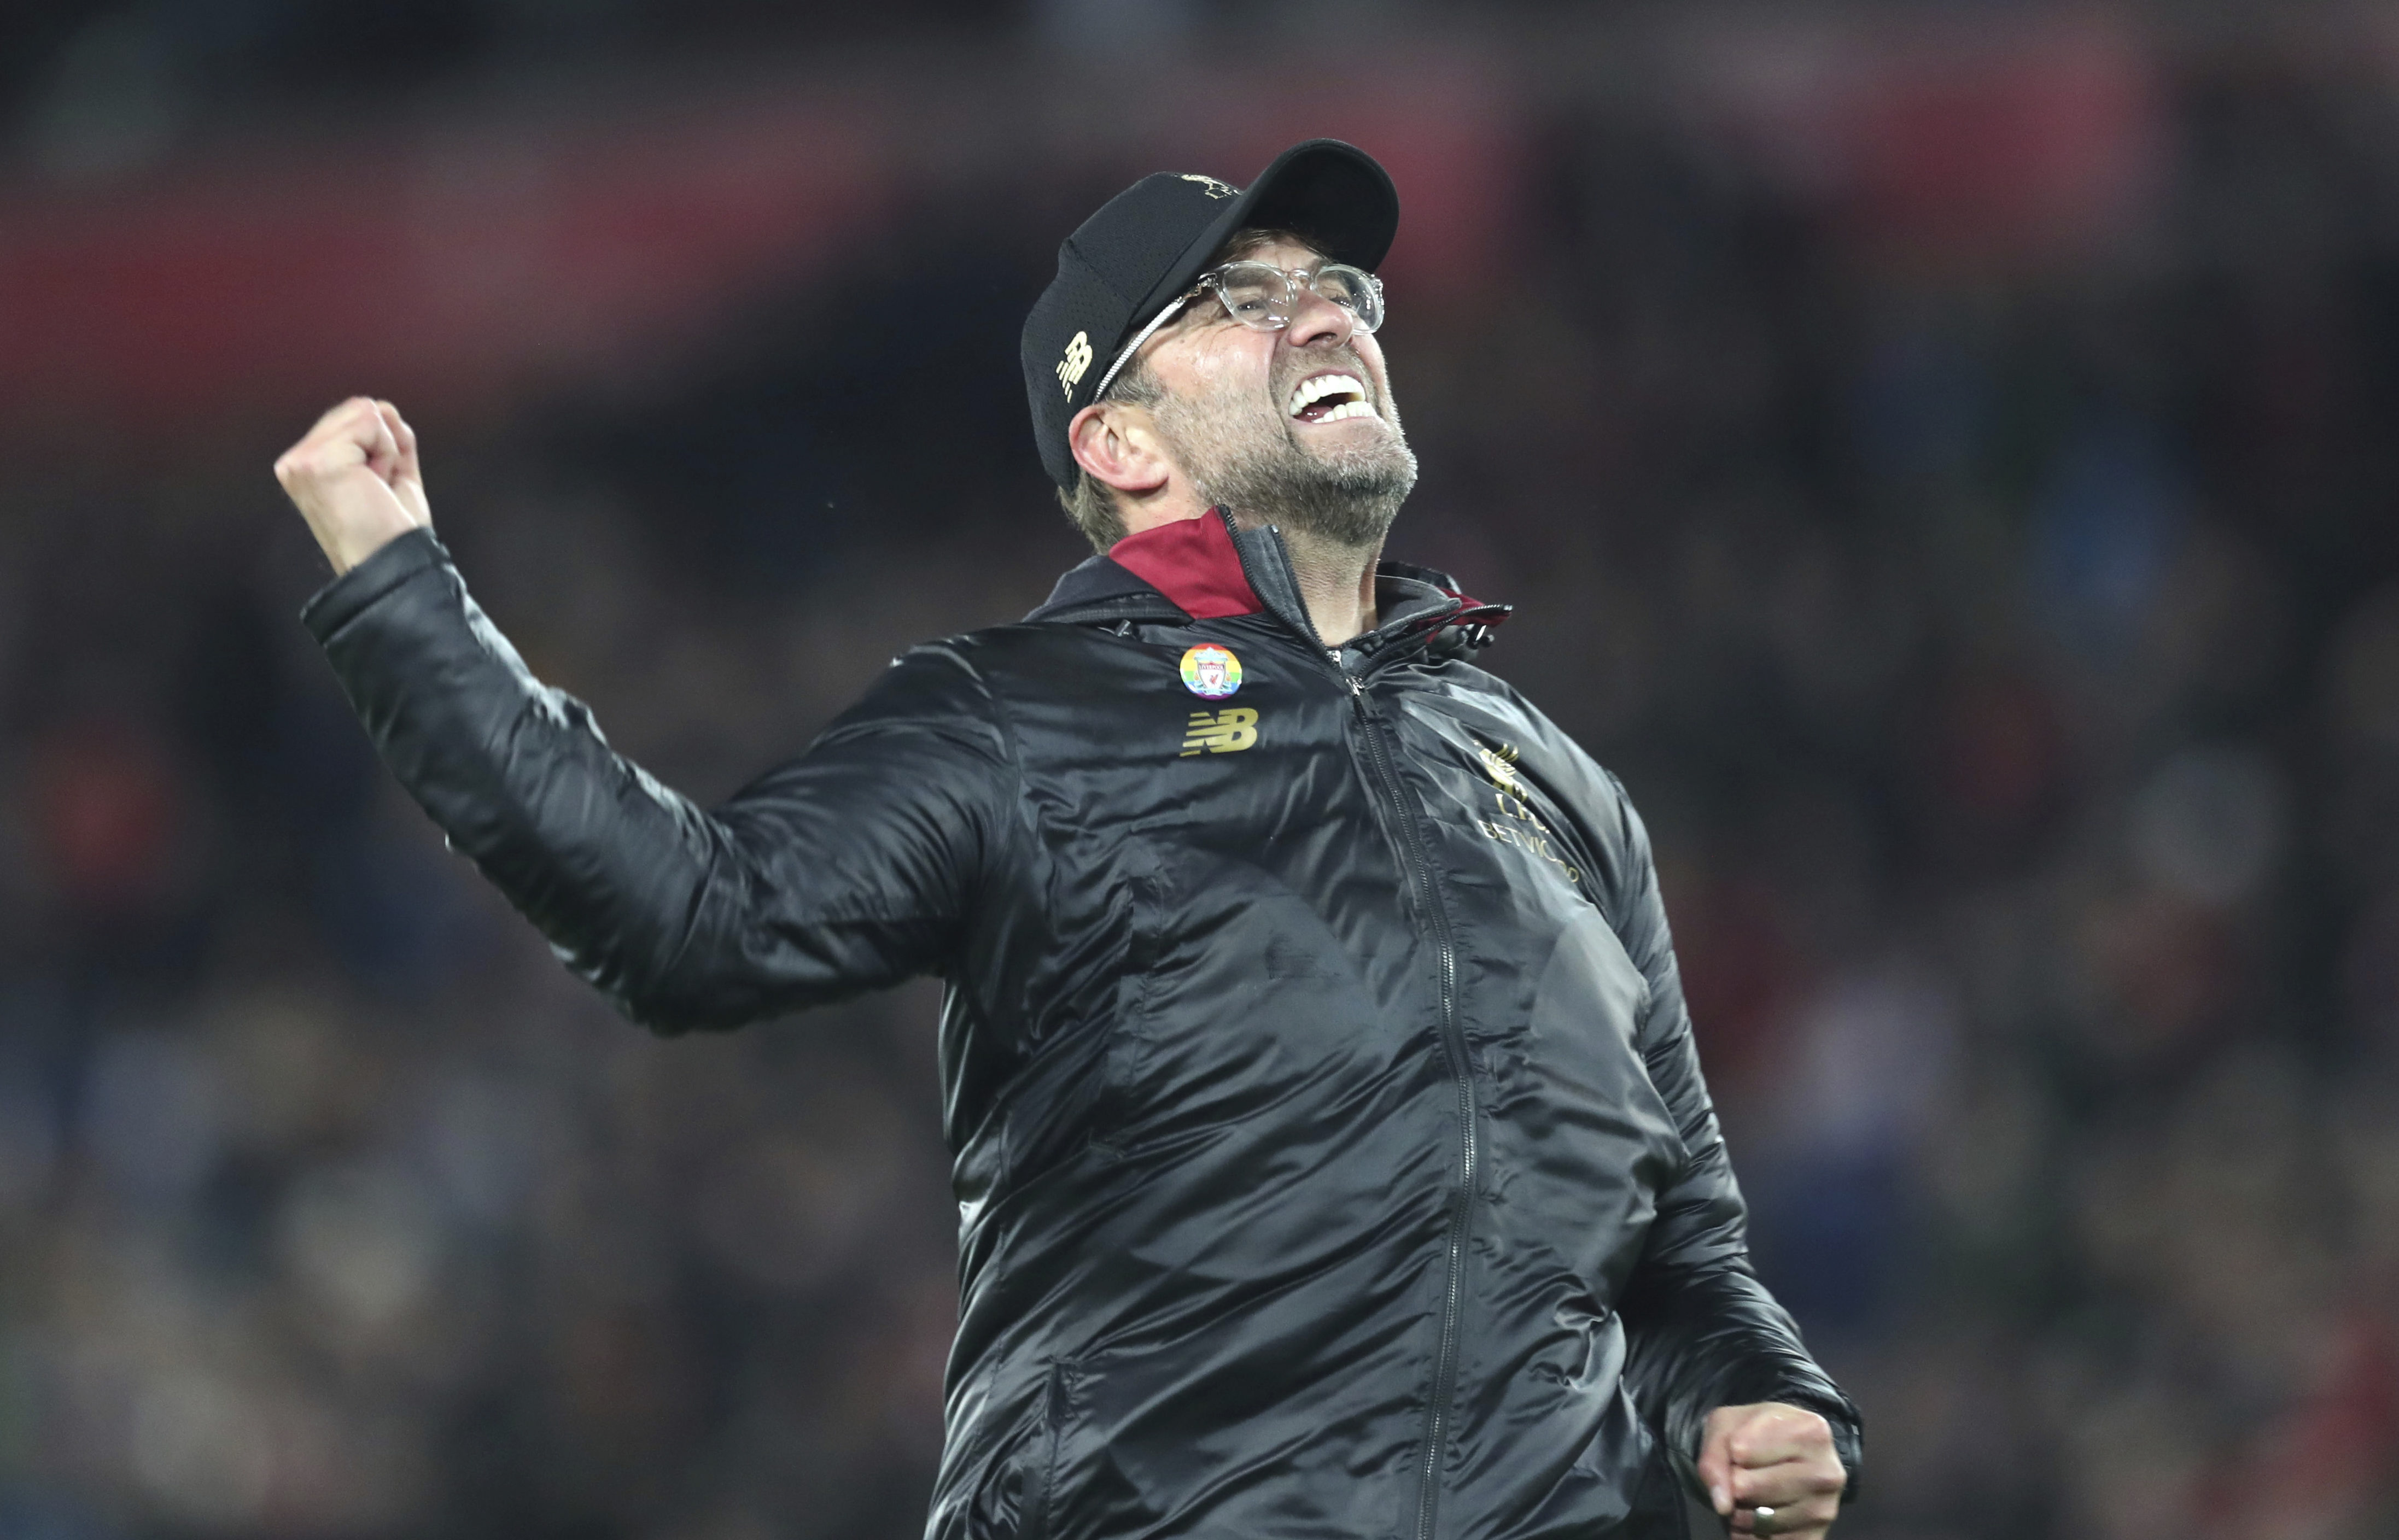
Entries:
{"x":1077,"y":359}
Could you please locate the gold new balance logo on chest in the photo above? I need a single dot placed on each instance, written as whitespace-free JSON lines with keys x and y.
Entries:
{"x":1226,"y":732}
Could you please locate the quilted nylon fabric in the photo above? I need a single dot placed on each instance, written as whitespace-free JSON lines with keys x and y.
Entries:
{"x":1331,"y":1153}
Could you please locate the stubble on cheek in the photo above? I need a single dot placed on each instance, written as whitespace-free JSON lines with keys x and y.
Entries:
{"x":1218,"y":427}
{"x":1242,"y":452}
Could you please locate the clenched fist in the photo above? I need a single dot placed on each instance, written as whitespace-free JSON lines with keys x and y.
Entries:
{"x":1770,"y":1469}
{"x":356,"y":481}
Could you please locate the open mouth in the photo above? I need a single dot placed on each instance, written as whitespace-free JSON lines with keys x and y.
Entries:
{"x":1329,"y":399}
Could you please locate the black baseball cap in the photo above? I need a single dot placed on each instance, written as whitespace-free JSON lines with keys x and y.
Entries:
{"x":1150,"y":243}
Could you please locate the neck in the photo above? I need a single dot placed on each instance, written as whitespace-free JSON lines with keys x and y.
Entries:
{"x":1337,"y":583}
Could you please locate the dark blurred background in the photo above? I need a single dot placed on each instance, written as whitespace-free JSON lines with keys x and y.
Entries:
{"x":1944,"y":456}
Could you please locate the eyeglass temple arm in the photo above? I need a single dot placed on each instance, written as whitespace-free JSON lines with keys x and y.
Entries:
{"x":1133,"y":346}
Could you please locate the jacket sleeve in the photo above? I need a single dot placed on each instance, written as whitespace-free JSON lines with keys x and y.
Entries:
{"x":845,"y":870}
{"x":1702,"y":1331}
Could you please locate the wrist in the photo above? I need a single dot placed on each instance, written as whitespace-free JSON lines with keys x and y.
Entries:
{"x":353,"y":543}
{"x":349,"y":595}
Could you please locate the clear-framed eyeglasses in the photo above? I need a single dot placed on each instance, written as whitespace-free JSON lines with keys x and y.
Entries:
{"x":1264,"y":298}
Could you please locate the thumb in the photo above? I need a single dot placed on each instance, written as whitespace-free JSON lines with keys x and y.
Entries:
{"x":406,"y":475}
{"x":1715,"y":1464}
{"x":349,"y":434}
{"x":375,"y":437}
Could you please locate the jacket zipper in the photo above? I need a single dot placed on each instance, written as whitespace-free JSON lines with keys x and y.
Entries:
{"x":1452,"y":1042}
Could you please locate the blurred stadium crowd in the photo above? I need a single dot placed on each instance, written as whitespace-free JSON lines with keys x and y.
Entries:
{"x":1948,"y":462}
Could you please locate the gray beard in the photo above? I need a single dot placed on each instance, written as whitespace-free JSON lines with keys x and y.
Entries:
{"x":1241,"y":455}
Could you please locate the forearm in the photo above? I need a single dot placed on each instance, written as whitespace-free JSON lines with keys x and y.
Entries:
{"x":1702,"y":1331}
{"x":843,"y":870}
{"x":1700,"y":1340}
{"x":608,"y":863}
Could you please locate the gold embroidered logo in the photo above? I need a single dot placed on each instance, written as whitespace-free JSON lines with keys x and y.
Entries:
{"x":1517,"y":823}
{"x":1214,"y":189}
{"x":1077,"y":359}
{"x":1226,"y":732}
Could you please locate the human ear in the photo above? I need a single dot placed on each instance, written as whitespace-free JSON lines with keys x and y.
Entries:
{"x":1114,"y":443}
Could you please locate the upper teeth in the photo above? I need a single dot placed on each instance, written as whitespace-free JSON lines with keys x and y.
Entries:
{"x":1318,"y":386}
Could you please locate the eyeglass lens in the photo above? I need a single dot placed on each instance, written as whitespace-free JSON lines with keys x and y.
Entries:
{"x":1261,"y":296}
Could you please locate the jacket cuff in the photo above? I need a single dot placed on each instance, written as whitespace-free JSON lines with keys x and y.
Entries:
{"x":1848,"y":1433}
{"x":346,"y":597}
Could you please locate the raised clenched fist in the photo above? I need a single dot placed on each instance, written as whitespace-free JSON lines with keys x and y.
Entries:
{"x":355,"y":479}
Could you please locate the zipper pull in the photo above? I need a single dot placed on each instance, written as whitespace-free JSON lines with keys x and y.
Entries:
{"x":1357,"y":685}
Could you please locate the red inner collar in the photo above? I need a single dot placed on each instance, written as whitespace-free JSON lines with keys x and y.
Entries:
{"x":1191,"y":561}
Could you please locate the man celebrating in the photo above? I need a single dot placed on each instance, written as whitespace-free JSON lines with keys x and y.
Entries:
{"x":1332,"y":1154}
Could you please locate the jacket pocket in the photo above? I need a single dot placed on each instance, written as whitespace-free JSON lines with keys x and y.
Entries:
{"x":1128,"y":1027}
{"x":1041,"y":1466}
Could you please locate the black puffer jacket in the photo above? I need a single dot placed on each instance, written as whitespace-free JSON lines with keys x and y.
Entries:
{"x":1332,"y":1156}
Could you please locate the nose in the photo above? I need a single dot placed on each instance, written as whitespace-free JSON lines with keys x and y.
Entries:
{"x":1315,"y":318}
